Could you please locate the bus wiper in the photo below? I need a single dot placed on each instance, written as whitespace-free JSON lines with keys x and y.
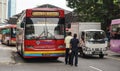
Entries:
{"x":44,"y":33}
{"x":52,"y":36}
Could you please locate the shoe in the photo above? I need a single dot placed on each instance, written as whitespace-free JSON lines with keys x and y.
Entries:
{"x":76,"y":65}
{"x":71,"y":64}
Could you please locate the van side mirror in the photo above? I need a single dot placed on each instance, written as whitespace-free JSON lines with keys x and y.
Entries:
{"x":106,"y":39}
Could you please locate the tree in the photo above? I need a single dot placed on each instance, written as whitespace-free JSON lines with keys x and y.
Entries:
{"x":96,"y":10}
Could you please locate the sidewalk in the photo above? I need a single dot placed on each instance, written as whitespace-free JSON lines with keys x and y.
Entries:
{"x":111,"y":53}
{"x":6,"y":55}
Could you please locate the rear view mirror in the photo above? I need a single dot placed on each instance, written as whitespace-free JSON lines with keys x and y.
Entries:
{"x":22,"y":25}
{"x":106,"y":39}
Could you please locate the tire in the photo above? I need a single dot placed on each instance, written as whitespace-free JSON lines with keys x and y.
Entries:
{"x":101,"y":56}
{"x":2,"y":41}
{"x":17,"y":48}
{"x":81,"y":52}
{"x":21,"y":51}
{"x":8,"y":43}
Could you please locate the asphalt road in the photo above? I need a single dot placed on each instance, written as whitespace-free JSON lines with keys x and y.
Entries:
{"x":108,"y":63}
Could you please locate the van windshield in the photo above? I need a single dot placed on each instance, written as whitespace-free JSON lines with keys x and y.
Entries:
{"x":95,"y":36}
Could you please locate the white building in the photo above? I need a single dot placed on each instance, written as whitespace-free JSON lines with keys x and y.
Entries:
{"x":3,"y":10}
{"x":11,"y":8}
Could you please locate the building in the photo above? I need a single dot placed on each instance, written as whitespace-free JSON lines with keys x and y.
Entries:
{"x":52,"y":6}
{"x":14,"y":18}
{"x":11,"y":8}
{"x":3,"y":10}
{"x":67,"y":18}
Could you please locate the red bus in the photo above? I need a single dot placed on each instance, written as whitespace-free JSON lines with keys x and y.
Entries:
{"x":41,"y":33}
{"x":8,"y":34}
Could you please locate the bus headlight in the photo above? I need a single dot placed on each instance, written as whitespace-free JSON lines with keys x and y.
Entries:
{"x":61,"y":46}
{"x":114,"y":45}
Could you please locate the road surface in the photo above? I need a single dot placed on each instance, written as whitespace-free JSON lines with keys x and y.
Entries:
{"x":16,"y":63}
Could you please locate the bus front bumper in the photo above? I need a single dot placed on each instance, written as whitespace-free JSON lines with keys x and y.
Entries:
{"x":44,"y":54}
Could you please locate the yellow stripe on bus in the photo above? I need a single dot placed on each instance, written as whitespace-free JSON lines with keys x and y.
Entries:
{"x":45,"y":52}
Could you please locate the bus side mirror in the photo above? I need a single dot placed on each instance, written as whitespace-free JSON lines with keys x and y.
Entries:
{"x":22,"y":25}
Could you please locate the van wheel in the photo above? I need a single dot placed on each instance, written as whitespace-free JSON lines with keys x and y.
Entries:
{"x":101,"y":55}
{"x":82,"y":54}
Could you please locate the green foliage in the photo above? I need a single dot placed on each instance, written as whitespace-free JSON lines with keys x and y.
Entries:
{"x":96,"y":10}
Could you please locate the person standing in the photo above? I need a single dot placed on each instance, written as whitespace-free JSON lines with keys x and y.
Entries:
{"x":74,"y":48}
{"x":67,"y":43}
{"x":108,"y":37}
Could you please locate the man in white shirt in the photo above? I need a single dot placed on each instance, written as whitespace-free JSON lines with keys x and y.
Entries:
{"x":67,"y":42}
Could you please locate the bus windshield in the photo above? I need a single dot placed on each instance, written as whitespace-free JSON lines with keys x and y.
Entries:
{"x":115,"y":33}
{"x":44,"y":28}
{"x":95,"y":36}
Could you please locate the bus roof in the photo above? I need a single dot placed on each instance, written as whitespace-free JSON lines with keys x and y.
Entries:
{"x":115,"y":21}
{"x":45,"y":9}
{"x":44,"y":12}
{"x":8,"y":26}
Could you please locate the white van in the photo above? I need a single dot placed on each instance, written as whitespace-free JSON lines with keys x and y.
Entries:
{"x":93,"y":42}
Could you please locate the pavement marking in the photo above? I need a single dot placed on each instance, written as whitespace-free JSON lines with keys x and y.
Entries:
{"x":113,"y":58}
{"x":95,"y":68}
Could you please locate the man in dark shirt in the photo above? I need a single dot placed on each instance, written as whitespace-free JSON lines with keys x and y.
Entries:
{"x":74,"y":43}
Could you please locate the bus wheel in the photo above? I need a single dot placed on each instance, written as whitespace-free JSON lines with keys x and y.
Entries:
{"x":17,"y":47}
{"x":8,"y":43}
{"x":2,"y":41}
{"x":21,"y":51}
{"x":101,"y":55}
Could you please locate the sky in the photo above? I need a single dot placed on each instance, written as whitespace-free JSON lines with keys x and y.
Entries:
{"x":24,"y":4}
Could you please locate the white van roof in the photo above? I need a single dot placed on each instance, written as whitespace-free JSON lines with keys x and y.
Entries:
{"x":92,"y":30}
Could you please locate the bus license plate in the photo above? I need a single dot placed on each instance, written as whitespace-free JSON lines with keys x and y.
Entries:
{"x":46,"y":54}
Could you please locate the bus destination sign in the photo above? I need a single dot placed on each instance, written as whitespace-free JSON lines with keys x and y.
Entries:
{"x":45,"y":14}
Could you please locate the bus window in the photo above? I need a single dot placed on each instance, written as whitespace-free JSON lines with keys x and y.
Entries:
{"x":6,"y":31}
{"x":40,"y":28}
{"x":13,"y":32}
{"x":115,"y":32}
